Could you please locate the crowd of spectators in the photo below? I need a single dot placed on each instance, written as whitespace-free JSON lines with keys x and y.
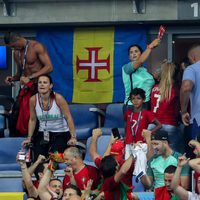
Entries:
{"x":150,"y":149}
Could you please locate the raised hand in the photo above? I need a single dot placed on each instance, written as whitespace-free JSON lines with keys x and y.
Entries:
{"x":182,"y":160}
{"x":96,"y":132}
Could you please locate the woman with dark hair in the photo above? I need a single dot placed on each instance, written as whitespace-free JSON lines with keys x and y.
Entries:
{"x":56,"y":127}
{"x":135,"y":75}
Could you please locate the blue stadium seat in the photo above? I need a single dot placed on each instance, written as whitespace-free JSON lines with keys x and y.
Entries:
{"x":11,"y":185}
{"x":11,"y":181}
{"x":102,"y":144}
{"x":84,"y":119}
{"x":114,"y":119}
{"x":145,"y":195}
{"x":9,"y":148}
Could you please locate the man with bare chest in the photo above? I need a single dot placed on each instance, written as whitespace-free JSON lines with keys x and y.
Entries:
{"x":32,"y":60}
{"x":30,"y":56}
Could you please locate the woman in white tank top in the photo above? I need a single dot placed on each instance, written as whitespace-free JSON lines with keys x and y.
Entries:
{"x":56,"y":128}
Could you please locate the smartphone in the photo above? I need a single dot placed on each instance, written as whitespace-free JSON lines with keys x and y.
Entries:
{"x":22,"y":157}
{"x":115,"y":133}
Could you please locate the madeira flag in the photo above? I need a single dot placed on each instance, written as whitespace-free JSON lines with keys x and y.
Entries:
{"x":88,"y":60}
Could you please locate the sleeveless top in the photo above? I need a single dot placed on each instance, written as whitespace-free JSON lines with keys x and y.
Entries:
{"x":52,"y":120}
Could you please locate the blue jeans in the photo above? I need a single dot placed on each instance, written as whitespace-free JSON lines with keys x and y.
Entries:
{"x":174,"y":133}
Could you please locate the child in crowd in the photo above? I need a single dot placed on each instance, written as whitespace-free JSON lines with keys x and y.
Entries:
{"x":137,"y":120}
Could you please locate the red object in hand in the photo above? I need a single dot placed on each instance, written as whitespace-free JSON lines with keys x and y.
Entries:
{"x":161,"y":32}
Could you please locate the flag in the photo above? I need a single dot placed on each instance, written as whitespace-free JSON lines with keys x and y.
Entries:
{"x":88,"y":61}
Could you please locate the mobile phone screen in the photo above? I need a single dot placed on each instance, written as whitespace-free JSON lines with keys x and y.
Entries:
{"x":115,"y":133}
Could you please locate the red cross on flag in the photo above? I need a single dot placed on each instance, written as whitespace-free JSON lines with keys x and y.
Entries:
{"x":93,"y":65}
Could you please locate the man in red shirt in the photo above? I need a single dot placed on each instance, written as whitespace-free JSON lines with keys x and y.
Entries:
{"x":166,"y":192}
{"x":77,"y":173}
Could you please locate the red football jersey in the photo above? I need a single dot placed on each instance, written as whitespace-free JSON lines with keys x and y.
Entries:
{"x":166,"y":111}
{"x":82,"y":177}
{"x":135,"y":123}
{"x":161,"y":193}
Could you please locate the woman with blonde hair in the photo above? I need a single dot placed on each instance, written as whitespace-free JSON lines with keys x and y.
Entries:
{"x":165,"y":102}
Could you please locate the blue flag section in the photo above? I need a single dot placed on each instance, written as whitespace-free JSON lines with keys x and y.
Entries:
{"x":62,"y":48}
{"x":59,"y":45}
{"x":124,"y":38}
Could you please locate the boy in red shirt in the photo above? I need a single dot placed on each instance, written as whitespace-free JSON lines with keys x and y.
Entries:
{"x":137,"y":120}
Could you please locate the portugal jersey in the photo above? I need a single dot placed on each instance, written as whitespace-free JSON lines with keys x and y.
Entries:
{"x":166,"y":111}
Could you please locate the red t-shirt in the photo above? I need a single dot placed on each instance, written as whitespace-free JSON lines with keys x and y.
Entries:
{"x":82,"y":177}
{"x":137,"y":124}
{"x":166,"y":111}
{"x":161,"y":193}
{"x":111,"y":189}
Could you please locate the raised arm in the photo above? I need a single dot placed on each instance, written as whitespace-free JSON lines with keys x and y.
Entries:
{"x":32,"y":191}
{"x":96,"y":133}
{"x":179,"y":190}
{"x":44,"y":182}
{"x":112,"y":140}
{"x":195,"y":144}
{"x":146,"y":53}
{"x":124,"y":169}
{"x":147,"y":137}
{"x":195,"y":164}
{"x":39,"y":160}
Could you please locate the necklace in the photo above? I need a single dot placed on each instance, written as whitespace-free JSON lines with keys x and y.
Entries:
{"x":45,"y":114}
{"x":42,"y":102}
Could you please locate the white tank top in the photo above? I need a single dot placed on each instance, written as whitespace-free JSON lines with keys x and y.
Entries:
{"x":52,"y":120}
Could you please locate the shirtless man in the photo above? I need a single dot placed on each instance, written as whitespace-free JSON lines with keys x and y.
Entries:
{"x":30,"y":56}
{"x":32,"y":61}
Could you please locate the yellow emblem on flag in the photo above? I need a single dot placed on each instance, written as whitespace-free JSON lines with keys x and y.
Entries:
{"x":93,"y":50}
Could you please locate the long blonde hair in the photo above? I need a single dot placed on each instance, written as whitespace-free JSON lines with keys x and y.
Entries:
{"x":166,"y":80}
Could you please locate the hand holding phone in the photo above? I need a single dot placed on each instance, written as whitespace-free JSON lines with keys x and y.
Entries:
{"x":115,"y":133}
